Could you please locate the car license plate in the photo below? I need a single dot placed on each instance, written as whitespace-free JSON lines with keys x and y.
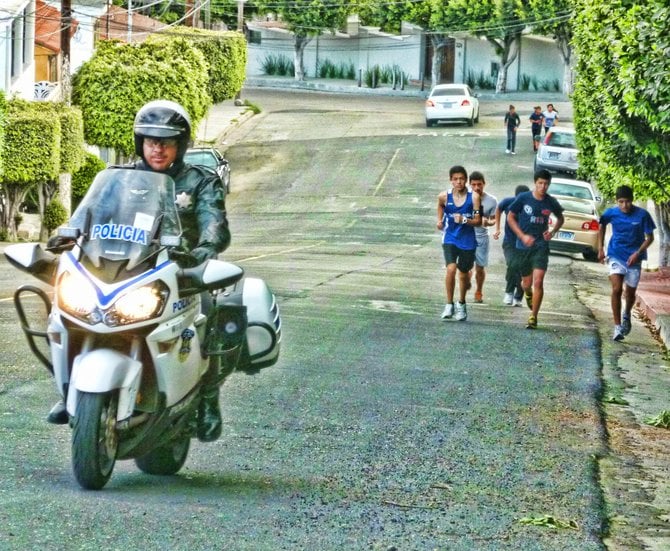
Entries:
{"x":554,"y":155}
{"x":567,"y":235}
{"x":447,"y":104}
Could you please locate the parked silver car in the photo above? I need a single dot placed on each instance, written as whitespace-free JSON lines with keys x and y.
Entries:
{"x":449,"y":102}
{"x":558,"y":151}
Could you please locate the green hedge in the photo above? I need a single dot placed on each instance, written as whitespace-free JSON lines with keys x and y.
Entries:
{"x":226,"y":53}
{"x":54,"y":215}
{"x":82,"y":179}
{"x":3,"y":116}
{"x":112,"y":86}
{"x":72,"y":139}
{"x":622,"y":95}
{"x":31,"y":152}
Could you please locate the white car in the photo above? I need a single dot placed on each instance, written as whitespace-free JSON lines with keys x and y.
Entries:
{"x":452,"y":102}
{"x":558,"y":151}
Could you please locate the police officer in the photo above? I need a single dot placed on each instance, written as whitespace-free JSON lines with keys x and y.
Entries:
{"x":162,"y":133}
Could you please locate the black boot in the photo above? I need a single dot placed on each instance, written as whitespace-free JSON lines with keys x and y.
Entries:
{"x":209,"y":414}
{"x":58,"y":414}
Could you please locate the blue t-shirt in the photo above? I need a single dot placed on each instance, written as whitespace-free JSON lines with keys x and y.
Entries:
{"x":460,"y":235}
{"x":628,"y":231}
{"x":536,"y":121}
{"x":509,"y":237}
{"x":533,"y":216}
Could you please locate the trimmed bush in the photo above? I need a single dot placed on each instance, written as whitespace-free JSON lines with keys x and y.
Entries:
{"x":54,"y":215}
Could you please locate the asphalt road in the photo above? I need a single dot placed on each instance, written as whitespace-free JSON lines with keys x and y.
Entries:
{"x":381,"y":427}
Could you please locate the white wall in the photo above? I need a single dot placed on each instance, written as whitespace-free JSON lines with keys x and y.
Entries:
{"x":538,"y":57}
{"x":364,"y":51}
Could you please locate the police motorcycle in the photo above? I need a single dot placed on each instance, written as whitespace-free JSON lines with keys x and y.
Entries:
{"x":127,"y":338}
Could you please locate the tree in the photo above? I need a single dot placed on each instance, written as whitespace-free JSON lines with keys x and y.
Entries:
{"x":306,"y":19}
{"x":554,"y":18}
{"x":500,"y":22}
{"x":621,"y":99}
{"x":389,"y":18}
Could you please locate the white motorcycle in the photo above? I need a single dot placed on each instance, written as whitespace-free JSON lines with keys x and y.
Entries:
{"x":128,"y":340}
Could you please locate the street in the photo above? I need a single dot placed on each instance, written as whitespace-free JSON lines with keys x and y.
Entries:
{"x":381,"y":427}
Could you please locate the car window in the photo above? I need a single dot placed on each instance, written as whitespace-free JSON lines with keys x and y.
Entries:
{"x":570,"y":191}
{"x":582,"y":207}
{"x":200,"y":158}
{"x":558,"y":139}
{"x":449,"y":92}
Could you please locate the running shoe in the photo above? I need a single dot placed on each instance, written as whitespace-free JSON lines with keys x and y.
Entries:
{"x":529,"y":298}
{"x":461,"y":311}
{"x":532,"y":322}
{"x":479,"y":297}
{"x":448,"y":311}
{"x":508,"y":299}
{"x":618,"y":333}
{"x":626,"y":325}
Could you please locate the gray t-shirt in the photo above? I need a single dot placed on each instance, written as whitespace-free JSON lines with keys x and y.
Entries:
{"x":488,"y":208}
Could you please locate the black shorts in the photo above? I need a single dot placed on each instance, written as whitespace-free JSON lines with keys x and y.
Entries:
{"x":527,"y":260}
{"x":464,"y":259}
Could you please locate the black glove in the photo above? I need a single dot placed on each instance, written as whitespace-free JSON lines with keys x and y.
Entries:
{"x":58,"y":244}
{"x":201,"y":254}
{"x":184,"y":258}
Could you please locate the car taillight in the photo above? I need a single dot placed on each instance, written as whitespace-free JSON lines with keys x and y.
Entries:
{"x":465,"y":103}
{"x":593,"y":225}
{"x":546,"y":140}
{"x":430,"y":103}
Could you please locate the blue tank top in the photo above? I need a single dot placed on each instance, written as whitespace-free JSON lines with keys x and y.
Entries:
{"x":460,"y":235}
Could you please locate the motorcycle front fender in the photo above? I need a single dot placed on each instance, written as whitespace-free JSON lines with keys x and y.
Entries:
{"x":105,"y":370}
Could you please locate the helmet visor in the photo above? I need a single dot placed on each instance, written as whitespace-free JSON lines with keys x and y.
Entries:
{"x":158,"y":130}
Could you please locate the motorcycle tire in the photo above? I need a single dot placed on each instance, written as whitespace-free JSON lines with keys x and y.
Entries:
{"x":165,"y":460}
{"x":94,"y":439}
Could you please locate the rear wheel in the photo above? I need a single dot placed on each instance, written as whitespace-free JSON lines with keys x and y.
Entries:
{"x":471,"y":120}
{"x":94,"y":439}
{"x":429,"y":122}
{"x":167,"y":459}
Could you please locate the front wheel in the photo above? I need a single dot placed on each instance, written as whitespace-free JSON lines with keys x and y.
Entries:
{"x":94,"y":439}
{"x":165,"y":460}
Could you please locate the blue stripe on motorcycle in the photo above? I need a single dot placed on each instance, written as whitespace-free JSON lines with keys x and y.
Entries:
{"x":106,"y":300}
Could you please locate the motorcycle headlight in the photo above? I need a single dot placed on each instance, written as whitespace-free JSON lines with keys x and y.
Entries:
{"x":76,"y":296}
{"x":138,"y":305}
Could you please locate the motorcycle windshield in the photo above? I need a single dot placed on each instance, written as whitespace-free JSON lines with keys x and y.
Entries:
{"x":123,"y":216}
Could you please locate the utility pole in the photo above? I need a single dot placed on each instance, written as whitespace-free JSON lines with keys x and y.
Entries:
{"x":65,"y":178}
{"x":65,"y":29}
{"x":240,"y":28}
{"x":130,"y":21}
{"x":240,"y":15}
